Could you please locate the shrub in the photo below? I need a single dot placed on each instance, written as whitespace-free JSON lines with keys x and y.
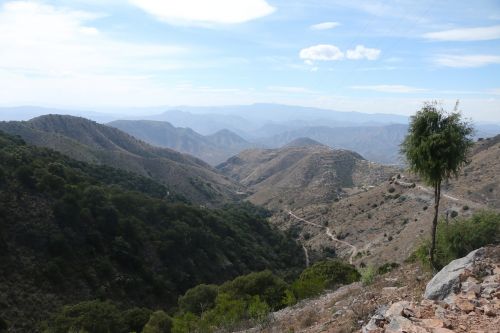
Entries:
{"x":199,"y":299}
{"x":322,"y":275}
{"x":266,"y":285}
{"x":455,"y":240}
{"x":136,"y":318}
{"x":368,"y":275}
{"x":92,"y":316}
{"x":387,"y":267}
{"x":465,"y":208}
{"x":159,"y":322}
{"x":391,"y":189}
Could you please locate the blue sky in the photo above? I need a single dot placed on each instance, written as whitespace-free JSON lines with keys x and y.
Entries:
{"x":368,"y":56}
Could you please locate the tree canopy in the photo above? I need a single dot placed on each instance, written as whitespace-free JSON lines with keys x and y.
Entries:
{"x":437,"y":143}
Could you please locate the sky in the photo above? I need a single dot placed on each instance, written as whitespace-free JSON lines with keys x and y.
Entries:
{"x":351,"y":55}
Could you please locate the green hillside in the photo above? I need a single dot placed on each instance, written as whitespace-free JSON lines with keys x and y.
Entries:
{"x":70,"y":232}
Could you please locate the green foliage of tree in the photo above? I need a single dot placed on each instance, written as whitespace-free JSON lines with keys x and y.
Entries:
{"x":269,"y":287}
{"x":457,"y":239}
{"x":135,"y":319}
{"x":116,"y":235}
{"x":90,"y":316}
{"x":159,"y":322}
{"x":199,"y":299}
{"x":436,"y":149}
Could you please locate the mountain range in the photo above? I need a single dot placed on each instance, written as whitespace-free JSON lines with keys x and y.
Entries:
{"x":303,"y":172}
{"x":88,"y":141}
{"x":213,"y":149}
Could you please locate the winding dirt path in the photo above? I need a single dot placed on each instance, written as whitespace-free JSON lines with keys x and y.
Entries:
{"x":329,"y":234}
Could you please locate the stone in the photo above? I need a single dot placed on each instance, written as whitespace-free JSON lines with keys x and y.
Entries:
{"x":465,"y":305}
{"x":389,"y":290}
{"x":470,"y":287}
{"x":489,"y":311}
{"x":448,"y":279}
{"x":396,"y":309}
{"x":442,"y":330}
{"x":432,"y":323}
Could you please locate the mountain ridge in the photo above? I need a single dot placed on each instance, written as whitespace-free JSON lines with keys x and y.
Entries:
{"x":91,"y":142}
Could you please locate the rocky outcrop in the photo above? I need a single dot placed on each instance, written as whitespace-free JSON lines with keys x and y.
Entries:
{"x":448,"y":279}
{"x":463,"y":297}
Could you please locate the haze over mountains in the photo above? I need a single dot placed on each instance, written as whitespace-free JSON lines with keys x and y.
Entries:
{"x":214,"y":134}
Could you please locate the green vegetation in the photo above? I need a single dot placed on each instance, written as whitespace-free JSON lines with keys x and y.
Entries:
{"x":436,"y":148}
{"x":457,"y":239}
{"x":323,"y":275}
{"x":248,"y":300}
{"x":93,"y":232}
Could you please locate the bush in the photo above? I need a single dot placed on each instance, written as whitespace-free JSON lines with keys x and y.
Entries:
{"x":391,"y":189}
{"x":322,"y":275}
{"x":90,"y":316}
{"x":270,"y":288}
{"x":159,"y":322}
{"x":368,"y":275}
{"x":136,"y":318}
{"x":199,"y":299}
{"x":455,"y":240}
{"x":387,"y":267}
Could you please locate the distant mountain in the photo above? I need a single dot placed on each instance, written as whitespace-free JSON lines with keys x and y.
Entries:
{"x":376,"y":143}
{"x":303,"y":142}
{"x":213,"y":149}
{"x":280,"y":113}
{"x":303,"y":174}
{"x":91,"y":142}
{"x":205,"y":124}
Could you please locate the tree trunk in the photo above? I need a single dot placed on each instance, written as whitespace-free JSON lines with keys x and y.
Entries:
{"x":437,"y":197}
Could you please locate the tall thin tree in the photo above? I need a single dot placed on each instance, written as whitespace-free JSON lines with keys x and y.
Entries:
{"x":436,"y":148}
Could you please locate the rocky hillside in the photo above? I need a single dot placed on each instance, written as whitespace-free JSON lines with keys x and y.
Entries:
{"x":301,"y":174}
{"x":91,"y":142}
{"x":213,"y":149}
{"x":386,"y":222}
{"x":463,"y":297}
{"x":480,"y":180}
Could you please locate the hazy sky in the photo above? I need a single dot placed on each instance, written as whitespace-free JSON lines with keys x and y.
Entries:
{"x":368,"y":56}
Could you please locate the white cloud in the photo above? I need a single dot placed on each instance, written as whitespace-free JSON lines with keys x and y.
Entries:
{"x":42,"y":40}
{"x":322,"y":52}
{"x":362,"y":52}
{"x":204,"y":12}
{"x":324,"y":26}
{"x":398,"y":89}
{"x":466,"y":61}
{"x":465,"y":34}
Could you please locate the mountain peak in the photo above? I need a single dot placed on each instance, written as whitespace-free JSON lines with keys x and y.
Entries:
{"x":304,"y":142}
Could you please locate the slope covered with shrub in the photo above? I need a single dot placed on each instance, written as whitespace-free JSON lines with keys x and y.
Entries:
{"x":70,"y":232}
{"x":461,"y":236}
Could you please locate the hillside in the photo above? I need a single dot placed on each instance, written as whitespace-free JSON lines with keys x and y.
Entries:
{"x":71,"y":231}
{"x":213,"y":149}
{"x":91,"y":142}
{"x":385,"y":222}
{"x":480,"y":180}
{"x":375,"y":143}
{"x":298,"y":174}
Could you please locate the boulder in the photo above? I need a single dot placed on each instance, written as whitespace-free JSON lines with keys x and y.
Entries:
{"x":448,"y":279}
